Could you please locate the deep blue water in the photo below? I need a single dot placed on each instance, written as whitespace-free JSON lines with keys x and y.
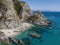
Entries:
{"x":48,"y":36}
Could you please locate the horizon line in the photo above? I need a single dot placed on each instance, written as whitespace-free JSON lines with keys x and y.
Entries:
{"x":46,"y":10}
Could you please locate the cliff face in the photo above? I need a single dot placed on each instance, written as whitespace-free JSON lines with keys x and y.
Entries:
{"x":4,"y":38}
{"x":24,"y":11}
{"x":28,"y":16}
{"x":14,"y":13}
{"x":39,"y":18}
{"x":8,"y":15}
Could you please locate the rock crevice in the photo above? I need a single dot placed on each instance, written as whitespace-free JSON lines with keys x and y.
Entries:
{"x":17,"y":14}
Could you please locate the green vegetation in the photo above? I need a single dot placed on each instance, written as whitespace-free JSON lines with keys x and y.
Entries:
{"x":16,"y":5}
{"x":1,"y":1}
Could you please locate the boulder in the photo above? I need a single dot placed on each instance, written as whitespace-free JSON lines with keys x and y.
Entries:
{"x":4,"y":38}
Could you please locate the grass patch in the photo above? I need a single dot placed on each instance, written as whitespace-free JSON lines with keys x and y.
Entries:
{"x":16,"y":5}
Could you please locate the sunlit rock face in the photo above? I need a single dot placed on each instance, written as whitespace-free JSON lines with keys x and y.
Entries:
{"x":24,"y":11}
{"x":26,"y":15}
{"x":17,"y":15}
{"x":39,"y":18}
{"x":4,"y":38}
{"x":8,"y":16}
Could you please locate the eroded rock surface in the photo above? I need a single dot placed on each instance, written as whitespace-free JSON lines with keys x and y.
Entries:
{"x":24,"y":11}
{"x":8,"y":16}
{"x":28,"y":16}
{"x":17,"y":15}
{"x":4,"y":38}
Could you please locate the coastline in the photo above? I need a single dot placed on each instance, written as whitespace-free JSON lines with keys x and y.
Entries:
{"x":16,"y":31}
{"x":22,"y":19}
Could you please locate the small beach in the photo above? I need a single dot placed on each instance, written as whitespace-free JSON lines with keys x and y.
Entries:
{"x":16,"y":31}
{"x":10,"y":33}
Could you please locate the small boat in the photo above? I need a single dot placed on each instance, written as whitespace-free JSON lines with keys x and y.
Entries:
{"x":21,"y":42}
{"x":35,"y":35}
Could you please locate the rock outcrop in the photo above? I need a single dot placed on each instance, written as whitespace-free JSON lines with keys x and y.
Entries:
{"x":8,"y":15}
{"x":12,"y":15}
{"x":39,"y":18}
{"x":24,"y":11}
{"x":17,"y":14}
{"x":28,"y":16}
{"x":4,"y":38}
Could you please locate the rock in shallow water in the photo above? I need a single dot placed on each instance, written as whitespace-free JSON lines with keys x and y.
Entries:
{"x":4,"y":38}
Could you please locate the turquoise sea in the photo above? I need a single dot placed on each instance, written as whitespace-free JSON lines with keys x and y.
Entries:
{"x":48,"y":36}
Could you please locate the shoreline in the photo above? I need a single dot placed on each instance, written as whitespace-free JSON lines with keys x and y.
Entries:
{"x":16,"y":31}
{"x":9,"y":33}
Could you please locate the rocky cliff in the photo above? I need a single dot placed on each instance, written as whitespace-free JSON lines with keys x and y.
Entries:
{"x":14,"y":13}
{"x":26,"y":15}
{"x":8,"y":15}
{"x":4,"y":38}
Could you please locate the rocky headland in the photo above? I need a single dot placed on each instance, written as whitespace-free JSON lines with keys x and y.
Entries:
{"x":16,"y":16}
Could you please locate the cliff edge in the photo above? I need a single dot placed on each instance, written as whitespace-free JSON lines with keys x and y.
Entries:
{"x":17,"y":15}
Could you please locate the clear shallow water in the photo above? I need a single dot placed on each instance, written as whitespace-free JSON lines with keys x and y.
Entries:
{"x":48,"y":36}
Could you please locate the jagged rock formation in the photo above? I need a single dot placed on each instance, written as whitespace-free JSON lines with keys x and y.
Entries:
{"x":8,"y":15}
{"x":4,"y":38}
{"x":24,"y":11}
{"x":39,"y":18}
{"x":14,"y":13}
{"x":9,"y":12}
{"x":31,"y":17}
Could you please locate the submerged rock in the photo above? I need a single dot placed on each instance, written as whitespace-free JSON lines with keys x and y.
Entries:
{"x":34,"y":35}
{"x":21,"y":42}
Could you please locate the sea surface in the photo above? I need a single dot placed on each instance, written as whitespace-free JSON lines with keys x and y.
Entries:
{"x":48,"y":36}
